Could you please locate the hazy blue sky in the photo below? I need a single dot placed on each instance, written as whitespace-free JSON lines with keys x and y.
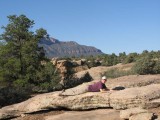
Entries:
{"x":113,"y":26}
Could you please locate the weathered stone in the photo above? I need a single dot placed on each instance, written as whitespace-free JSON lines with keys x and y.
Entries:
{"x":142,"y":116}
{"x":134,"y":97}
{"x":101,"y":114}
{"x":134,"y":81}
{"x":80,"y":68}
{"x":80,"y":89}
{"x":152,"y":104}
{"x":128,"y":98}
{"x":6,"y":114}
{"x":54,"y":101}
{"x":126,"y":114}
{"x":79,"y":62}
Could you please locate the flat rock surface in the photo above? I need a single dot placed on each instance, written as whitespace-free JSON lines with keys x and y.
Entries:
{"x":134,"y":97}
{"x":101,"y":114}
{"x":133,"y":81}
{"x":108,"y":114}
{"x":125,"y":114}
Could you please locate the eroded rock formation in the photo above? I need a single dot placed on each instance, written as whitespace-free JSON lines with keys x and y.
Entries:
{"x":124,"y":99}
{"x":140,"y":91}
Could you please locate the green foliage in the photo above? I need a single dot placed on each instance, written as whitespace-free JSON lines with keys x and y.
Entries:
{"x":122,"y":57}
{"x":49,"y":74}
{"x":109,"y":60}
{"x":92,"y":62}
{"x":21,"y":57}
{"x":147,"y":65}
{"x":2,"y":43}
{"x":11,"y":95}
{"x":156,"y":68}
{"x":114,"y":73}
{"x":41,"y":33}
{"x":20,"y":83}
{"x":130,"y":58}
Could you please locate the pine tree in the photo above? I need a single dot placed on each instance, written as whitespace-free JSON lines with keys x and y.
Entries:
{"x":20,"y":57}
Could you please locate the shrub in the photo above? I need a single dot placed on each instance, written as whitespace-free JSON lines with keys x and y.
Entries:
{"x":46,"y":79}
{"x":145,"y":65}
{"x":114,"y":73}
{"x":11,"y":95}
{"x":130,"y":58}
{"x":74,"y":81}
{"x":156,"y":68}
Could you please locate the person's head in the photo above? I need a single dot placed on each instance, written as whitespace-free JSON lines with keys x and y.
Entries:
{"x":104,"y":79}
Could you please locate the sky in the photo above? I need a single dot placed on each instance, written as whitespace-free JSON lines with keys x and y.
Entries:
{"x":113,"y":26}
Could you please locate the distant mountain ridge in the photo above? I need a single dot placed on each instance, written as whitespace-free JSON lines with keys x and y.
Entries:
{"x":56,"y":48}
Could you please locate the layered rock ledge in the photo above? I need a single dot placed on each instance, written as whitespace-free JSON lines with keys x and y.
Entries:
{"x":123,"y":99}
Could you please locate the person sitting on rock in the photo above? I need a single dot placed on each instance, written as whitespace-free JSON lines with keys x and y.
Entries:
{"x":87,"y":87}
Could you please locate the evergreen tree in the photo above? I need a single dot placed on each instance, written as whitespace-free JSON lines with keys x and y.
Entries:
{"x":122,"y":57}
{"x":20,"y":57}
{"x":131,"y":57}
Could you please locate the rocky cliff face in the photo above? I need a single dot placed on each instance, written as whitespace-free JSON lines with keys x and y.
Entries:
{"x":56,"y":48}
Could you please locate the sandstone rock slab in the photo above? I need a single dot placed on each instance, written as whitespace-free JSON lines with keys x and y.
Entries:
{"x":134,"y":81}
{"x":142,"y":116}
{"x":134,"y":97}
{"x":101,"y":114}
{"x":126,"y":114}
{"x":54,"y":101}
{"x":123,"y":99}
